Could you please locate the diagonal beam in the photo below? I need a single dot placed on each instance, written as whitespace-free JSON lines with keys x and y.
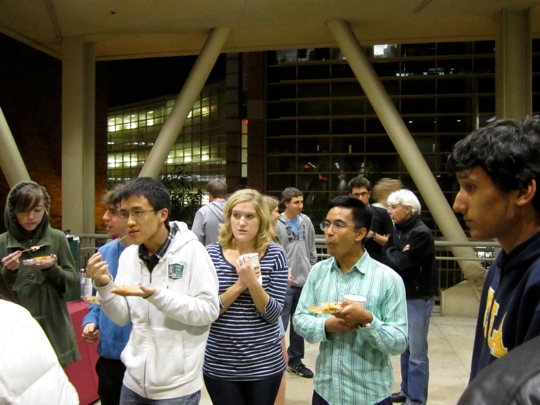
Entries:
{"x":408,"y":150}
{"x":184,"y":102}
{"x":10,"y":158}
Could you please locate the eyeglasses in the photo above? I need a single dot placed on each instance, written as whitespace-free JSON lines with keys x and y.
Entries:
{"x":137,"y":215}
{"x":362,"y":194}
{"x":338,"y":225}
{"x":114,"y":212}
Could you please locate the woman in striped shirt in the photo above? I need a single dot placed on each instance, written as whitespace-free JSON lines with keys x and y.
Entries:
{"x":244,"y":361}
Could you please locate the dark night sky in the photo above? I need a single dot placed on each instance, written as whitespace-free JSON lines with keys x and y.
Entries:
{"x":131,"y":81}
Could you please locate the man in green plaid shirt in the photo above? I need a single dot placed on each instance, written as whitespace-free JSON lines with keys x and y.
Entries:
{"x":356,"y":343}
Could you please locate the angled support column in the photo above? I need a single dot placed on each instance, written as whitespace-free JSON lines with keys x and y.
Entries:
{"x":407,"y":149}
{"x":11,"y":160}
{"x":184,"y":102}
{"x":513,"y":58}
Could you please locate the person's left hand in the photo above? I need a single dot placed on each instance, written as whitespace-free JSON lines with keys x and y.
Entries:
{"x":336,"y":325}
{"x":289,"y":281}
{"x":354,"y":313}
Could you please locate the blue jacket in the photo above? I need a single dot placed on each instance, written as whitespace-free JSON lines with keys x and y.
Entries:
{"x":112,"y":338}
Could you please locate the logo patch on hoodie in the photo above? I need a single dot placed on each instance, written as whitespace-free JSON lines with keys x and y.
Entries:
{"x":176,"y":270}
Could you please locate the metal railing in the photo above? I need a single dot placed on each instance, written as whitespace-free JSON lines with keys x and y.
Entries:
{"x":449,"y":272}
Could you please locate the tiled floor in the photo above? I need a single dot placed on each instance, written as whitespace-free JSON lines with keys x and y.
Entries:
{"x":450,"y":347}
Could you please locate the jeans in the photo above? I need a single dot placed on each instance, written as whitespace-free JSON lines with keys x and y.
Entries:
{"x":296,"y":342}
{"x":414,"y":360}
{"x":111,"y":374}
{"x":128,"y":397}
{"x":257,"y":392}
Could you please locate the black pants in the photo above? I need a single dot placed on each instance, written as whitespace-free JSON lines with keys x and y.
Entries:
{"x":259,"y":392}
{"x":111,"y":375}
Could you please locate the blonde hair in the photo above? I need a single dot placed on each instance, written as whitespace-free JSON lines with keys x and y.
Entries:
{"x":384,"y":188}
{"x":266,"y":233}
{"x":271,"y":202}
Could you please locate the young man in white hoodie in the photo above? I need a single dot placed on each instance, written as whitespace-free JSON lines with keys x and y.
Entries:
{"x":171,"y":302}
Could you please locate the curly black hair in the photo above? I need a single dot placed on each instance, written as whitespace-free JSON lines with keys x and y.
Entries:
{"x":508,"y":150}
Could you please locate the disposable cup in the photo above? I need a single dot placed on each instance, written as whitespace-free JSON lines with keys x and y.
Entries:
{"x":254,"y":260}
{"x":355,"y":298}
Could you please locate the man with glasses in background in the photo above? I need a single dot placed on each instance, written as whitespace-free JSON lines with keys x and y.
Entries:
{"x":167,"y":287}
{"x":356,"y":343}
{"x":381,"y":223}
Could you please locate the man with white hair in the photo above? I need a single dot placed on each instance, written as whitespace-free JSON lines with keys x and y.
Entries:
{"x":410,"y":251}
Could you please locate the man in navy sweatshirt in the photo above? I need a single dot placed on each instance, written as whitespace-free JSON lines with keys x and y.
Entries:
{"x":498,"y":170}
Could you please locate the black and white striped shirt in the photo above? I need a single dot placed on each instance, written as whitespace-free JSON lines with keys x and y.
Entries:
{"x":243,"y":344}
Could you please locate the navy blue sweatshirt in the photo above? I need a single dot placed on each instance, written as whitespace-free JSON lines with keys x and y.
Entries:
{"x":510,"y":305}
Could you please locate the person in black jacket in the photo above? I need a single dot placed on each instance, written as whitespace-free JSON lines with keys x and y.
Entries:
{"x":381,"y":224}
{"x":410,"y":251}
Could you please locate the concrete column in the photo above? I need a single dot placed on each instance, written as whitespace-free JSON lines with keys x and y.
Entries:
{"x":89,"y":140}
{"x":184,"y":102}
{"x":513,"y":59}
{"x":233,"y":123}
{"x":407,"y":149}
{"x":10,"y":158}
{"x":78,"y":138}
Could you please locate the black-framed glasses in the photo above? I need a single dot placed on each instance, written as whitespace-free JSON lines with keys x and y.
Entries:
{"x":337,"y":225}
{"x":362,"y":194}
{"x":137,"y":215}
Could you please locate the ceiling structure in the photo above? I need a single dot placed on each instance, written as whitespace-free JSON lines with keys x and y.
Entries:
{"x":126,"y":29}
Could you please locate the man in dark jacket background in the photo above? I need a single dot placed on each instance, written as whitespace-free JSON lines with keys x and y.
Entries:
{"x":410,"y":251}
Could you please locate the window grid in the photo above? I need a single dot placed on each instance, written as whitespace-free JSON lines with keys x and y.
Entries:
{"x":132,"y":131}
{"x":322,"y":131}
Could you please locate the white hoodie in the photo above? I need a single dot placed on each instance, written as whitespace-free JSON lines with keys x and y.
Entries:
{"x":29,"y":369}
{"x":165,"y":351}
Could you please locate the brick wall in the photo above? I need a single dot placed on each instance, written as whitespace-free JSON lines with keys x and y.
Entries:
{"x":30,"y":98}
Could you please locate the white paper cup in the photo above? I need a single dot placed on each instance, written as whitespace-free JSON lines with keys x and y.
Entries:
{"x":87,"y":288}
{"x":254,"y":260}
{"x":355,"y":298}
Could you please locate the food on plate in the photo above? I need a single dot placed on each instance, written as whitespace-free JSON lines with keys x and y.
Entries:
{"x":93,"y":300}
{"x":126,"y":289}
{"x":42,"y":258}
{"x":326,"y":308}
{"x":39,"y":260}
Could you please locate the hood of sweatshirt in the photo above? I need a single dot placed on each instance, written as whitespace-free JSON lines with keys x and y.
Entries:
{"x":10,"y":218}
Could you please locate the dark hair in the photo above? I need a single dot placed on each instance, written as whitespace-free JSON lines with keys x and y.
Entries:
{"x":27,"y":197}
{"x":153,"y":190}
{"x":508,"y":150}
{"x":217,"y":187}
{"x":361,"y":214}
{"x":358,"y":182}
{"x":289,"y":193}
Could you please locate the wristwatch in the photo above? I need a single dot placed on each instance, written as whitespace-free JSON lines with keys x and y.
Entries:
{"x":365,"y":325}
{"x":373,"y":234}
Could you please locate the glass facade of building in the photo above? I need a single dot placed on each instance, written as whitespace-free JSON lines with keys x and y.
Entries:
{"x":322,"y":130}
{"x":200,"y":148}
